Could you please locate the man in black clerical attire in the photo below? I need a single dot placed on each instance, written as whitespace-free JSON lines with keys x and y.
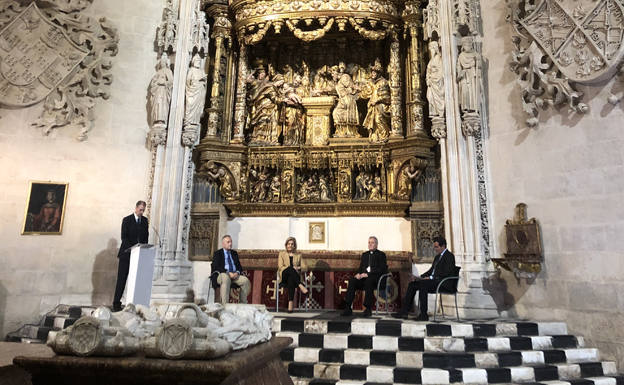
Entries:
{"x":443,"y":266}
{"x":372,"y":266}
{"x":134,"y":229}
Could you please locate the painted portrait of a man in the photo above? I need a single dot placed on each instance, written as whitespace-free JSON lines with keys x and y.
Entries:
{"x":45,"y":208}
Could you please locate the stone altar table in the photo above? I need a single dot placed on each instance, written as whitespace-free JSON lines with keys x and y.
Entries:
{"x":258,"y":365}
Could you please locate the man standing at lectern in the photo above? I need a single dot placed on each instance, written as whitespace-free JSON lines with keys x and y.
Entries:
{"x":134,"y":229}
{"x":372,"y":266}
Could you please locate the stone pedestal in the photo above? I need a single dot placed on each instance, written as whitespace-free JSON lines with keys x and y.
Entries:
{"x":317,"y":119}
{"x":260,"y":364}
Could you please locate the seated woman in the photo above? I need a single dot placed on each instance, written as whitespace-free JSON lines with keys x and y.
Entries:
{"x":289,"y":265}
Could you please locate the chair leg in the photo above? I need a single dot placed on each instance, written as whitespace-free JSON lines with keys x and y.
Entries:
{"x":435,"y":311}
{"x":456,"y":309}
{"x":276,"y":296}
{"x":442,"y":307}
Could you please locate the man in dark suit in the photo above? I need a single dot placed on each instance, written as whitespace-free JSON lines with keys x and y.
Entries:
{"x":443,"y":266}
{"x":134,"y":229}
{"x":225,"y":261}
{"x":372,"y":266}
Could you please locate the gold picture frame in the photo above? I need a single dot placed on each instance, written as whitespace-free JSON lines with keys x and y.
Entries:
{"x":45,"y":208}
{"x":316,"y":232}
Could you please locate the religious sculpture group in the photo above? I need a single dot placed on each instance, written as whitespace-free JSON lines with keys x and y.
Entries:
{"x":277,"y":103}
{"x":315,"y":114}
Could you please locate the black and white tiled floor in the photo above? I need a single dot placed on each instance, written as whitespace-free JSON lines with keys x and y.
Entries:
{"x":382,"y":350}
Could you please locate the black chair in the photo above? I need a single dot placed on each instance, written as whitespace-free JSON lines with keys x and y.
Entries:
{"x":304,"y":279}
{"x":215,"y":285}
{"x":452,"y":290}
{"x":383,"y":281}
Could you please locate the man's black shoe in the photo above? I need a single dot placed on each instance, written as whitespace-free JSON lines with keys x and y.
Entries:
{"x":399,"y":315}
{"x":422,"y":317}
{"x":367,"y":312}
{"x":116,"y":308}
{"x":346,"y":312}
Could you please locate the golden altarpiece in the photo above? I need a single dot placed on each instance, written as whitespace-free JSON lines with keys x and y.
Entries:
{"x":315,"y":109}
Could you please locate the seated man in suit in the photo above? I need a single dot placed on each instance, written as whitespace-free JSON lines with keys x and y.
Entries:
{"x":225,"y":261}
{"x":372,"y":266}
{"x":443,"y":266}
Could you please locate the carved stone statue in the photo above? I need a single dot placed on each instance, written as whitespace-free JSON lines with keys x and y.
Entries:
{"x":324,"y":191}
{"x":292,"y":114}
{"x":468,"y":77}
{"x":374,"y":188}
{"x":159,"y":93}
{"x":223,"y":177}
{"x":410,"y":172}
{"x":196,"y":80}
{"x":195,"y":92}
{"x":345,"y":113}
{"x":260,"y":185}
{"x":275,"y":188}
{"x":262,"y":98}
{"x":377,"y":120}
{"x":435,"y":81}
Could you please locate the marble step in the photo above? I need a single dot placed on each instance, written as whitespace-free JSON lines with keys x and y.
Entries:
{"x":431,"y":344}
{"x":587,"y":381}
{"x":518,"y":374}
{"x":398,"y":328}
{"x":413,"y":359}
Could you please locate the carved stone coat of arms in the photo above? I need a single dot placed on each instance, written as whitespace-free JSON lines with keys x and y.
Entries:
{"x":583,"y":37}
{"x":35,"y":56}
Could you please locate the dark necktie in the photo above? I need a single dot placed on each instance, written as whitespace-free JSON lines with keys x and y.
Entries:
{"x":433,"y":268}
{"x":230,"y":261}
{"x":138,"y":220}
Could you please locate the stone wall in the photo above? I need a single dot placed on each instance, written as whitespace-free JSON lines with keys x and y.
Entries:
{"x":106,"y":175}
{"x":569,"y":171}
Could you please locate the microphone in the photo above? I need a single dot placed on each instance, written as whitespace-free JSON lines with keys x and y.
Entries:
{"x":157,"y":236}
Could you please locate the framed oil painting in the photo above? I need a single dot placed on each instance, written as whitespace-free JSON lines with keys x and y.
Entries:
{"x":316,"y":232}
{"x":45,"y":208}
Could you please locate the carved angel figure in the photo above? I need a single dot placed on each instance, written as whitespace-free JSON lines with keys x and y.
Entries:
{"x":377,"y":120}
{"x":159,"y":92}
{"x":468,"y":77}
{"x":435,"y":81}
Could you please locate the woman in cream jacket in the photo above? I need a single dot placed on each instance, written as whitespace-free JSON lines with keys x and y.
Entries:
{"x":289,"y":266}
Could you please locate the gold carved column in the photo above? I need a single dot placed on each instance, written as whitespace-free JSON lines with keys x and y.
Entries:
{"x":221,"y":32}
{"x":241,"y":92}
{"x":395,"y":86}
{"x":412,"y":16}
